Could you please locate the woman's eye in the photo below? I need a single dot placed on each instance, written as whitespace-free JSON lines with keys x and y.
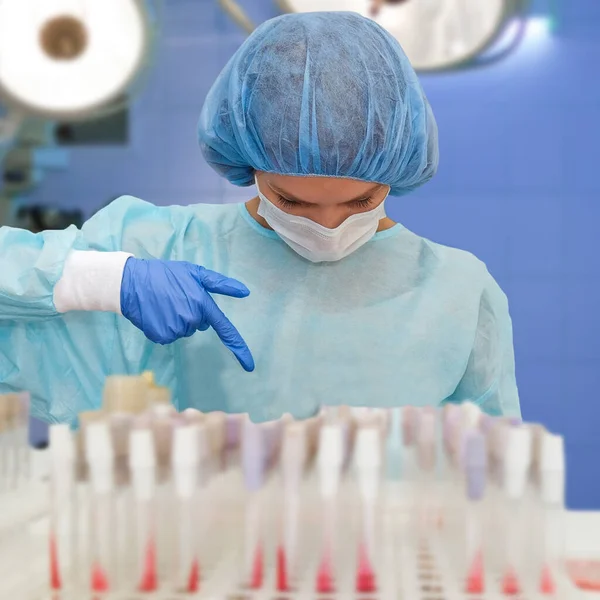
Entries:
{"x":285,"y":202}
{"x":363,"y":203}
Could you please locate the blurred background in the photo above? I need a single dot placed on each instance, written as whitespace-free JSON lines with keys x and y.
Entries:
{"x":517,"y":99}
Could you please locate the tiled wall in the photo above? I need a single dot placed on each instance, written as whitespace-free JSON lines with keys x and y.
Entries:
{"x":518,"y":186}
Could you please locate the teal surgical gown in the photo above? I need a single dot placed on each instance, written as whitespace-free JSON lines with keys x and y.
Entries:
{"x":401,"y":321}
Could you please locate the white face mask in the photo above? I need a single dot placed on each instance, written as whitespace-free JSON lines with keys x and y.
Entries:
{"x":315,"y":242}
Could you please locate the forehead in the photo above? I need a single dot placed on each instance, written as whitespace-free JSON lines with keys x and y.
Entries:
{"x":319,"y":189}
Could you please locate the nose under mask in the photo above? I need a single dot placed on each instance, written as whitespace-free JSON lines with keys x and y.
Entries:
{"x":315,"y":242}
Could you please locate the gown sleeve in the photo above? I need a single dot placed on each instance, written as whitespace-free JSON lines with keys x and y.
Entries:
{"x":62,"y":357}
{"x":489,"y":379}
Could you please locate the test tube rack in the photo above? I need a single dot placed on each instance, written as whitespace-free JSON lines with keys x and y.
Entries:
{"x":409,"y":567}
{"x":418,"y":554}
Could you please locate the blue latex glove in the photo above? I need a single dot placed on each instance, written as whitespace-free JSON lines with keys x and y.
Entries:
{"x":169,"y":300}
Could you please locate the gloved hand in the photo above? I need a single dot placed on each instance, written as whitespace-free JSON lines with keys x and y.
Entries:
{"x":168,"y":300}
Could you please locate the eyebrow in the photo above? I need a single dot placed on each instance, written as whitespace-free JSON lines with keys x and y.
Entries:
{"x":288,"y":196}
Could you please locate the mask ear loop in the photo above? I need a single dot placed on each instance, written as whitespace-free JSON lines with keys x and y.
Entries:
{"x":257,"y":187}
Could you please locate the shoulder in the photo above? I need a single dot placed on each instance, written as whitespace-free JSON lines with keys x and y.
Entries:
{"x":128,"y":210}
{"x":446,"y":260}
{"x":458,"y":269}
{"x":466,"y":264}
{"x":144,"y":229}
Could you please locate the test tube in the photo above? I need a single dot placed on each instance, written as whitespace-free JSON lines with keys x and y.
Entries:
{"x":6,"y":410}
{"x":394,"y":448}
{"x":124,"y":397}
{"x":347,"y":419}
{"x":17,"y":420}
{"x":63,"y":551}
{"x":313,"y":426}
{"x":253,"y":467}
{"x":163,"y":419}
{"x":496,"y":442}
{"x":552,"y":490}
{"x":516,"y":468}
{"x":233,"y":430}
{"x":120,"y":427}
{"x":410,"y":425}
{"x":368,"y":463}
{"x":272,"y":433}
{"x":20,"y":465}
{"x":453,"y":439}
{"x":100,"y":458}
{"x":121,"y":424}
{"x":425,"y":444}
{"x":476,"y":467}
{"x":142,"y":463}
{"x":451,"y":418}
{"x":330,"y":460}
{"x":186,"y":460}
{"x":204,"y":458}
{"x":215,"y":424}
{"x":469,"y":420}
{"x":293,"y":460}
{"x":410,"y":421}
{"x":534,"y":508}
{"x":442,"y":473}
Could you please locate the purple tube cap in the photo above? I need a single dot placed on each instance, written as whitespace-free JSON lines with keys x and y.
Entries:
{"x":475,"y":457}
{"x":253,"y":456}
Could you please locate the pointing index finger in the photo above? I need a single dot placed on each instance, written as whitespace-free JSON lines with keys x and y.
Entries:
{"x":229,"y":335}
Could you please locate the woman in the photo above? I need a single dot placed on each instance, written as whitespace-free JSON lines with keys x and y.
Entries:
{"x":325,"y":114}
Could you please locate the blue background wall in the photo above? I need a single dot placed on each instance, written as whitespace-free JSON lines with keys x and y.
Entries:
{"x":518,"y":186}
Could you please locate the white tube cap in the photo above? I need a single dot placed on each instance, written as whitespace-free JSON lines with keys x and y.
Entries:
{"x":141,"y":449}
{"x":517,"y":461}
{"x":62,"y":445}
{"x":293,"y":453}
{"x":552,"y":469}
{"x":62,"y":456}
{"x":142,"y":462}
{"x":100,"y":456}
{"x":186,"y":449}
{"x":331,"y":446}
{"x":367,"y":457}
{"x":367,"y":448}
{"x":185,"y":460}
{"x":330,"y":458}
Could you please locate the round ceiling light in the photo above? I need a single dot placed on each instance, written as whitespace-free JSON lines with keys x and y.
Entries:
{"x":435,"y":34}
{"x":66,"y":59}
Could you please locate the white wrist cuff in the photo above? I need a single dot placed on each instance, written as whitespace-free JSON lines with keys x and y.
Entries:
{"x":91,"y":281}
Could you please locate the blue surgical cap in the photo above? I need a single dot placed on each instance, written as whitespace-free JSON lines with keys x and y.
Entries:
{"x":321,"y":94}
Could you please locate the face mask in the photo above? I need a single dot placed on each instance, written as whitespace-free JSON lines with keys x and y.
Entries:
{"x":315,"y":242}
